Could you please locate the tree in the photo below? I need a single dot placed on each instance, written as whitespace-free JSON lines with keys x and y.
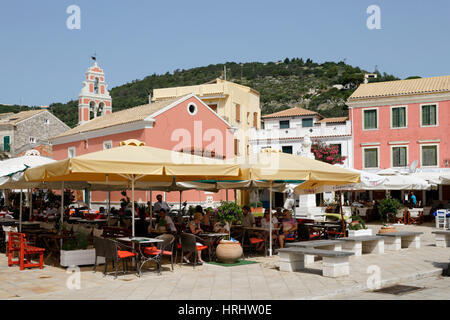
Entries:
{"x":327,"y":153}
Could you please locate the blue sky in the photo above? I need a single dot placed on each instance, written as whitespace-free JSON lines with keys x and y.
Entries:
{"x":41,"y":61}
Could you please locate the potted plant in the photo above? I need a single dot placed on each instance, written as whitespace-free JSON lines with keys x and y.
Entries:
{"x":358,"y":228}
{"x":228,"y":251}
{"x":75,"y":252}
{"x":256,"y":207}
{"x":388,"y":207}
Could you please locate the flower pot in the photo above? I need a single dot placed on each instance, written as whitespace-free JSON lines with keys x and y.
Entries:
{"x":387,"y":229}
{"x":228,"y":251}
{"x":79,"y":258}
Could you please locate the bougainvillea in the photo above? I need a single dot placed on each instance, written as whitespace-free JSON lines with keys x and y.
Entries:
{"x":327,"y":153}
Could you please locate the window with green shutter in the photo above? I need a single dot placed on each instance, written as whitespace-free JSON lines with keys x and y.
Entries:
{"x":307,"y":123}
{"x":399,"y":156}
{"x":399,"y":117}
{"x":429,"y":156}
{"x":284,"y":124}
{"x":286,"y":149}
{"x":370,"y":119}
{"x":371,"y":158}
{"x":429,"y":115}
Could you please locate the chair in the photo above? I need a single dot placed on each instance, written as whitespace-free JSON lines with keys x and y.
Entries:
{"x":400,"y":216}
{"x":6,"y":230}
{"x":441,"y":218}
{"x":164,"y":248}
{"x":114,"y":253}
{"x":426,"y":213}
{"x":189,"y":245}
{"x":100,"y":249}
{"x":415,"y":216}
{"x":254,"y":241}
{"x":17,"y":242}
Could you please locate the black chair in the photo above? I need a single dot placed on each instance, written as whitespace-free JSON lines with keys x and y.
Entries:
{"x":189,"y":245}
{"x":100,"y":250}
{"x":116,"y":251}
{"x":164,"y":248}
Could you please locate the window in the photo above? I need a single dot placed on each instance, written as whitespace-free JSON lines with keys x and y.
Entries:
{"x":32,"y":140}
{"x":287,"y":149}
{"x":213,"y":107}
{"x":107,"y":144}
{"x":255,"y":119}
{"x":71,"y":152}
{"x":236,"y":147}
{"x":429,"y":115}
{"x":6,"y":143}
{"x":338,"y":147}
{"x":46,"y":121}
{"x":192,"y":108}
{"x":398,"y":117}
{"x":307,"y":123}
{"x":284,"y":124}
{"x":96,"y":86}
{"x":370,"y":158}
{"x":370,"y":118}
{"x":399,"y":156}
{"x":429,"y":155}
{"x":238,"y":112}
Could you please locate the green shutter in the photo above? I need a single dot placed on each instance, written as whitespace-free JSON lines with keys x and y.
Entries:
{"x":429,"y":156}
{"x":370,"y":119}
{"x":6,"y":143}
{"x":429,"y":115}
{"x":306,"y":123}
{"x":399,"y":117}
{"x":399,"y":156}
{"x":371,"y":158}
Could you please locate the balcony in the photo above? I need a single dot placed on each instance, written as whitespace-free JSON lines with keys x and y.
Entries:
{"x":321,"y":130}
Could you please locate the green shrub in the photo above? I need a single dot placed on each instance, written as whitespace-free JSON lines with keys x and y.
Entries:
{"x":388,"y":205}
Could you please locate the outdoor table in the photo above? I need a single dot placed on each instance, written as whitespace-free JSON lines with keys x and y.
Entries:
{"x":141,"y":241}
{"x":266,"y":231}
{"x":212,"y":238}
{"x":324,"y":226}
{"x":52,"y":241}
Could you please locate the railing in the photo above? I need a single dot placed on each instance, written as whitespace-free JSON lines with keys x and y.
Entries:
{"x":315,"y":131}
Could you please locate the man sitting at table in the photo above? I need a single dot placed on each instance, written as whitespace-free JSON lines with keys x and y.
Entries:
{"x":248,"y":219}
{"x":166,"y":221}
{"x":265,"y":223}
{"x":289,"y":226}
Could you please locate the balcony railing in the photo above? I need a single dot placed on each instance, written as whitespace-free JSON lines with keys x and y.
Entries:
{"x":322,"y":130}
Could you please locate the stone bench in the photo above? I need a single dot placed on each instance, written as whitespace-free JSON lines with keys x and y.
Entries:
{"x":442,"y":238}
{"x":363,"y":244}
{"x":335,"y":263}
{"x":334,"y":245}
{"x":398,"y":240}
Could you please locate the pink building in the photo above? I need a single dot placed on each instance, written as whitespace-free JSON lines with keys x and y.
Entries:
{"x":184,"y":123}
{"x":398,"y":123}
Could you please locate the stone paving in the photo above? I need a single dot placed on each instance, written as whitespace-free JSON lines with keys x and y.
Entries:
{"x":254,"y":281}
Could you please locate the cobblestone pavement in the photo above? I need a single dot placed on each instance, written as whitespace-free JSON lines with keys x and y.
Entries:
{"x":255,"y":281}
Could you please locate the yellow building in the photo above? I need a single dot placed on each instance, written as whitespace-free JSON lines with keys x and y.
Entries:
{"x":237,"y":104}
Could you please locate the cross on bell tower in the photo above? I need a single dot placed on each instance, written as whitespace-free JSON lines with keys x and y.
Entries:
{"x":94,"y":99}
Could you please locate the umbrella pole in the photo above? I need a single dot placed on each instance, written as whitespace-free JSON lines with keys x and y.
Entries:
{"x":180,"y":200}
{"x":132,"y":205}
{"x":226,"y":197}
{"x":30,"y":199}
{"x":342,"y":213}
{"x":151,"y":209}
{"x":62,"y":212}
{"x":270,"y":221}
{"x":20,"y":215}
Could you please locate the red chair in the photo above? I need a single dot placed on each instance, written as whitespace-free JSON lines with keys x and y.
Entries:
{"x":254,"y":242}
{"x":18,"y":243}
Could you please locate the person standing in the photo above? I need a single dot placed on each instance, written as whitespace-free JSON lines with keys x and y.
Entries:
{"x":413,"y":199}
{"x":160,"y":205}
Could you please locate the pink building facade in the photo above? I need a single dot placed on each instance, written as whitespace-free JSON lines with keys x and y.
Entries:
{"x":179,"y":124}
{"x":400,"y":124}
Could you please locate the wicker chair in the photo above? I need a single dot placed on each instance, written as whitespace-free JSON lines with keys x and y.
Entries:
{"x":189,"y":245}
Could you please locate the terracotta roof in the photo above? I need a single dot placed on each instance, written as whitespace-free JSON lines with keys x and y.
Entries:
{"x":292,"y":112}
{"x":333,"y":120}
{"x":44,"y":150}
{"x":14,"y":118}
{"x":135,"y":114}
{"x":401,"y":88}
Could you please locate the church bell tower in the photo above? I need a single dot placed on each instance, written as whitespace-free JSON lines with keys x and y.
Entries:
{"x":94,"y":99}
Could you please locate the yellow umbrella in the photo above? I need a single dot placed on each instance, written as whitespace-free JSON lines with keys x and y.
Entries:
{"x":133,"y":161}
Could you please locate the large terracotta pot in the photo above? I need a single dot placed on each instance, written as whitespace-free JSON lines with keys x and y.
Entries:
{"x":387,"y":229}
{"x":228,"y":251}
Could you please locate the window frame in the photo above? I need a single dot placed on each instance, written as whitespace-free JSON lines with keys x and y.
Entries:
{"x":105,"y":142}
{"x":364,"y":121}
{"x":407,"y":155}
{"x":312,"y":122}
{"x":437,"y":114}
{"x":406,"y":116}
{"x":292,"y":149}
{"x":363,"y":157}
{"x":288,"y":122}
{"x":437,"y":154}
{"x":32,"y":140}
{"x":74,"y":152}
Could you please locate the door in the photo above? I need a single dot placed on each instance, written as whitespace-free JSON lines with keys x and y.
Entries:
{"x":6,"y":142}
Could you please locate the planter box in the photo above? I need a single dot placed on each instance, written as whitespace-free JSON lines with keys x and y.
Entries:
{"x":79,"y":258}
{"x":359,"y":233}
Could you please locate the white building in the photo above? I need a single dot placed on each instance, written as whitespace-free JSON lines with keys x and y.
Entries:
{"x":286,"y":130}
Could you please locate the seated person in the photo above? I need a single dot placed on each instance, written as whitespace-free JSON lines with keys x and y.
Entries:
{"x":194,"y":228}
{"x":289,"y":226}
{"x":248,"y":219}
{"x":165,"y":222}
{"x":141,"y":225}
{"x":220,"y":227}
{"x":207,"y":218}
{"x":265,"y":223}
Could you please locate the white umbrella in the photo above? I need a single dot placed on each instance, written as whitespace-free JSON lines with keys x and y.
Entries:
{"x":396,"y":181}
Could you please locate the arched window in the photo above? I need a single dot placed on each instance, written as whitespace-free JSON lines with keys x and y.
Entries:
{"x":92,"y":110}
{"x":96,"y":86}
{"x":100,"y":109}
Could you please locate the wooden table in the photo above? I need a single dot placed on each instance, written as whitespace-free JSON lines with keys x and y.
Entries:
{"x":52,"y":242}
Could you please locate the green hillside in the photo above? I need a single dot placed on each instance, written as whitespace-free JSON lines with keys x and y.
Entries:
{"x":283,"y":84}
